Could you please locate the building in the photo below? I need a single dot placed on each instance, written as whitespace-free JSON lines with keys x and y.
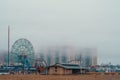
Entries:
{"x":58,"y":54}
{"x":87,"y":56}
{"x":64,"y":69}
{"x":69,"y":54}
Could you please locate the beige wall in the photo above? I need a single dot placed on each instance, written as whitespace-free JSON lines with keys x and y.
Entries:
{"x":60,"y":70}
{"x":67,"y":71}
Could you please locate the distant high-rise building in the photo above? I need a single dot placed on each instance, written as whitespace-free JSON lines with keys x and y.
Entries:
{"x":63,"y":58}
{"x":88,"y":56}
{"x":42,"y":57}
{"x":57,"y":57}
{"x":64,"y":54}
{"x":48,"y":59}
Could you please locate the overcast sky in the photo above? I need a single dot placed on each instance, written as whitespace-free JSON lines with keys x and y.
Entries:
{"x":93,"y":23}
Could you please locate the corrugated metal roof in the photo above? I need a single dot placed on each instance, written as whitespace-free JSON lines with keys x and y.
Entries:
{"x":70,"y":66}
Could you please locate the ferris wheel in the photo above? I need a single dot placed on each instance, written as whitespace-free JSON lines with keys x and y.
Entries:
{"x":22,"y":52}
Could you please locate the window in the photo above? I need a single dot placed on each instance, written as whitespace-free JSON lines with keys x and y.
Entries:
{"x":55,"y":68}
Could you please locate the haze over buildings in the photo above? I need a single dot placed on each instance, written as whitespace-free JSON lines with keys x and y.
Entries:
{"x":85,"y":23}
{"x":69,"y":54}
{"x":60,"y":54}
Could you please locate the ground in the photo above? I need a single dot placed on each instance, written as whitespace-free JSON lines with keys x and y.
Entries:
{"x":59,"y":77}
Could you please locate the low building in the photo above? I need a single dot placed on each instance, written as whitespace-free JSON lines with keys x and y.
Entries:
{"x":64,"y":69}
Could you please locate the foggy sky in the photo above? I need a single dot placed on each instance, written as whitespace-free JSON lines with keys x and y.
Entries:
{"x":94,"y":23}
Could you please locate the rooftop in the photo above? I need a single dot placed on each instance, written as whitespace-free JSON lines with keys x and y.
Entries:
{"x":69,"y":66}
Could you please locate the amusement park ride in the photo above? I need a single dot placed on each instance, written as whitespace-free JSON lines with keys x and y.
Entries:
{"x":22,"y":52}
{"x":22,"y":59}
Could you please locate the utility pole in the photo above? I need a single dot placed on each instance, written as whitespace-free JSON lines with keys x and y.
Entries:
{"x":8,"y":43}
